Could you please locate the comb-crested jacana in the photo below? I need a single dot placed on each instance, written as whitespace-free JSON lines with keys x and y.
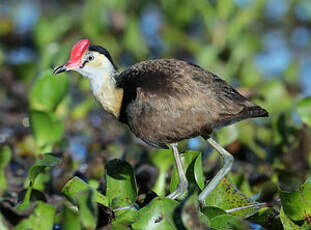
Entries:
{"x":164,"y":101}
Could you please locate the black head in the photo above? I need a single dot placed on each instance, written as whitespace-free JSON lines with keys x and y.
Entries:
{"x":103,"y":51}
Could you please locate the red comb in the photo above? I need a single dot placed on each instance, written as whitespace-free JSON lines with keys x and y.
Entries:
{"x":77,"y":51}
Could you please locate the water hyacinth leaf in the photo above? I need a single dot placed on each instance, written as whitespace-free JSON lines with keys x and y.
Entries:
{"x":70,"y":219}
{"x":273,"y":91}
{"x":212,"y":212}
{"x":133,"y":40}
{"x":158,"y":214}
{"x":41,"y":218}
{"x":227,"y":135}
{"x":297,"y":204}
{"x":121,"y":189}
{"x":119,"y":227}
{"x":125,"y":219}
{"x":192,"y":165}
{"x":303,"y":109}
{"x":226,"y":196}
{"x":49,"y":30}
{"x":268,"y":218}
{"x":162,"y":159}
{"x":5,"y":157}
{"x":228,"y":222}
{"x":288,"y":224}
{"x":198,"y":172}
{"x":77,"y":185}
{"x":225,"y":8}
{"x":48,"y":91}
{"x":187,"y":214}
{"x":2,"y":224}
{"x":87,"y":208}
{"x":46,"y":127}
{"x":45,"y":160}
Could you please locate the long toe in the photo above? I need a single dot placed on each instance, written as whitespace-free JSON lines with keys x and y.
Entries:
{"x":180,"y":190}
{"x":175,"y":194}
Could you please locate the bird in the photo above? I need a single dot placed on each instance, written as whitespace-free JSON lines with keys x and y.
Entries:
{"x":164,"y":101}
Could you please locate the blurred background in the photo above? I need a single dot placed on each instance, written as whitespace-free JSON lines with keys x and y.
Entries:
{"x":261,"y":47}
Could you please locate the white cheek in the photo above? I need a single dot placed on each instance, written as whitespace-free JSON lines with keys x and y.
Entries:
{"x":84,"y":72}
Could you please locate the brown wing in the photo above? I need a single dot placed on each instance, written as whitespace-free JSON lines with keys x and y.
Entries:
{"x":167,"y":100}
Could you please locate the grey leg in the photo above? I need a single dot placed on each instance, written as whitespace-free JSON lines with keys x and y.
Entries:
{"x":228,"y":161}
{"x":182,"y":183}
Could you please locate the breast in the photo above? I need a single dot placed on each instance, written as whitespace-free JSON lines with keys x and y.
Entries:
{"x":159,"y":119}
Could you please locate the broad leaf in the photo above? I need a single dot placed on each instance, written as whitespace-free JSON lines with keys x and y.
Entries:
{"x":121,"y":189}
{"x":157,"y":215}
{"x":5,"y":157}
{"x":48,"y":92}
{"x":303,"y":108}
{"x":87,"y":208}
{"x":288,"y":224}
{"x":187,"y":214}
{"x":2,"y":224}
{"x":226,"y":196}
{"x":227,"y":221}
{"x":70,"y":219}
{"x":125,"y":219}
{"x":297,"y":204}
{"x":46,"y":127}
{"x":192,"y":165}
{"x":227,"y":135}
{"x":163,"y":159}
{"x":211,"y":211}
{"x":42,"y":218}
{"x":45,"y":160}
{"x":75,"y":185}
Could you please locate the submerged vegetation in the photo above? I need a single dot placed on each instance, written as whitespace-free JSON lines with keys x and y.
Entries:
{"x":66,"y":164}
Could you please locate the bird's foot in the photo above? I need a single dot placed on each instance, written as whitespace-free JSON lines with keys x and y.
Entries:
{"x":180,"y":190}
{"x":133,"y":206}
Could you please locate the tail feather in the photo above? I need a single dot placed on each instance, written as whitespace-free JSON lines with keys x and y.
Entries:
{"x":254,"y":111}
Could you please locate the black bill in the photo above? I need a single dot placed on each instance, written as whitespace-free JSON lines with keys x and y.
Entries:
{"x":59,"y":69}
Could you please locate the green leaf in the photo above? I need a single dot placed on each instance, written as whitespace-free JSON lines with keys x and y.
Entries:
{"x":2,"y":224}
{"x":42,"y":218}
{"x":121,"y":189}
{"x":192,"y":165}
{"x":211,"y":211}
{"x":158,"y":214}
{"x":297,"y":204}
{"x":303,"y":109}
{"x":227,"y":135}
{"x":288,"y":224}
{"x":133,"y":39}
{"x":225,"y":8}
{"x":51,"y":29}
{"x":267,"y":218}
{"x":45,"y":160}
{"x":273,"y":91}
{"x":87,"y":208}
{"x":76,"y":185}
{"x":46,"y":127}
{"x":187,"y":214}
{"x":226,"y":196}
{"x":5,"y":157}
{"x":162,"y":159}
{"x":228,"y":222}
{"x":70,"y":219}
{"x":125,"y":219}
{"x":48,"y":91}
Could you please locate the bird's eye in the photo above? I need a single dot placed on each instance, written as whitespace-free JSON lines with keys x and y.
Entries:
{"x":90,"y":57}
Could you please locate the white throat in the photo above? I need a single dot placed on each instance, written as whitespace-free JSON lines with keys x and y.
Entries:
{"x":104,"y":85}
